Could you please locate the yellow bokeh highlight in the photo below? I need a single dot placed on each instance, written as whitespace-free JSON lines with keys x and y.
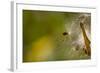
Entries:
{"x":41,"y":49}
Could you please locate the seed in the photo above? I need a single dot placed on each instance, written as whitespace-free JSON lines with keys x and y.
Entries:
{"x":65,"y":33}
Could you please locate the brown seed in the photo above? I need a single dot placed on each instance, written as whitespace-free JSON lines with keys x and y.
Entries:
{"x":65,"y":33}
